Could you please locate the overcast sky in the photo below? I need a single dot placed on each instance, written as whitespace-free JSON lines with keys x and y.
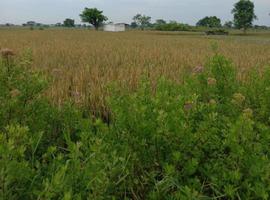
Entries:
{"x":186,"y":11}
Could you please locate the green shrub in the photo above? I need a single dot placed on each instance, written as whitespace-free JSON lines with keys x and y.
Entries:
{"x":172,"y":26}
{"x":195,"y":140}
{"x":207,"y":138}
{"x":217,"y":32}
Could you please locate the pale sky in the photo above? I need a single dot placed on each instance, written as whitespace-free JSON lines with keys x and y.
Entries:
{"x":185,"y":11}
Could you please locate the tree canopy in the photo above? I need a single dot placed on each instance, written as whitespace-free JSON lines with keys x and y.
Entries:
{"x":93,"y":16}
{"x":244,"y":14}
{"x":211,"y":22}
{"x":142,"y":20}
{"x":69,"y":22}
{"x":133,"y":25}
{"x":160,"y":22}
{"x":228,"y":24}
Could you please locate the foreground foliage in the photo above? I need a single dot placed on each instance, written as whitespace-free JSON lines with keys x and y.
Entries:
{"x":207,"y":138}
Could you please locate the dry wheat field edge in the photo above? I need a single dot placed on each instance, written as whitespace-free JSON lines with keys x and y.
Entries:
{"x":81,"y":63}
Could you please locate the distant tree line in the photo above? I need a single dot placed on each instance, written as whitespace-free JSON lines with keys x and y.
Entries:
{"x":243,"y":18}
{"x":162,"y":25}
{"x":243,"y":13}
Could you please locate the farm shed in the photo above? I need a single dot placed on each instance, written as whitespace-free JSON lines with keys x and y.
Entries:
{"x":115,"y":27}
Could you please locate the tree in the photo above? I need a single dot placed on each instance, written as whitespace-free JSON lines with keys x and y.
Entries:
{"x":93,"y":16}
{"x":142,"y":20}
{"x":244,"y":14}
{"x":69,"y":22}
{"x":211,"y":22}
{"x":228,"y":24}
{"x":133,"y":25}
{"x":160,"y":22}
{"x":58,"y":24}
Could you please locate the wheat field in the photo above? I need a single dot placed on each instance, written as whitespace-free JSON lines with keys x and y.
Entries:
{"x":81,"y":64}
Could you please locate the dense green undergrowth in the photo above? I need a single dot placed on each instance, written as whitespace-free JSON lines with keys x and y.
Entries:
{"x":207,"y":138}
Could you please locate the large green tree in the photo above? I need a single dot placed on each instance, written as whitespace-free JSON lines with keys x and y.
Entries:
{"x":69,"y":22}
{"x":93,"y":16}
{"x":244,"y":14}
{"x":211,"y":22}
{"x":142,"y":20}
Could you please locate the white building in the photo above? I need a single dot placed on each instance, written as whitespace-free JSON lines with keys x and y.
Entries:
{"x":115,"y":27}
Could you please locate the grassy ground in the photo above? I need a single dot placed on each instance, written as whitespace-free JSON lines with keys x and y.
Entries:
{"x":83,"y":63}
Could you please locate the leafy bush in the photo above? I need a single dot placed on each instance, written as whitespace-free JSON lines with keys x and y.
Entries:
{"x":172,"y":26}
{"x":196,"y":140}
{"x":217,"y":32}
{"x":207,"y":138}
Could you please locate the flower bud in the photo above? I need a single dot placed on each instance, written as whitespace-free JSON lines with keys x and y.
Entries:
{"x":238,"y":99}
{"x":248,"y":113}
{"x":211,"y":81}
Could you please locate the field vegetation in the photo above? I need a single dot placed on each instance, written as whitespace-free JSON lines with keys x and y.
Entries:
{"x":134,"y":115}
{"x":82,"y":63}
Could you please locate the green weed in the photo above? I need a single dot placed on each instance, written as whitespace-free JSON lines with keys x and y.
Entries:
{"x":206,"y":138}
